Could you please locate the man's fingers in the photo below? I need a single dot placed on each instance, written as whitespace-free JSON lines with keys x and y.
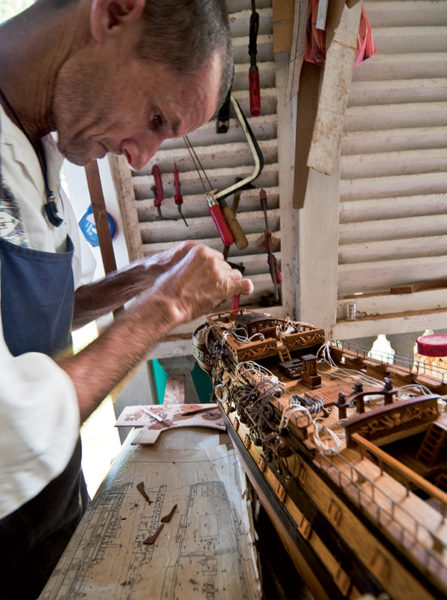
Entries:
{"x":237,"y":285}
{"x":247,"y":286}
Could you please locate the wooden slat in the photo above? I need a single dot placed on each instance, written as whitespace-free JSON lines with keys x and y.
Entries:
{"x":214,"y":242}
{"x":390,"y":116}
{"x":394,"y":229}
{"x":234,"y":6}
{"x":402,"y":162}
{"x":263,"y":129}
{"x":396,"y":324}
{"x":402,"y":66}
{"x":196,"y":205}
{"x":389,"y":208}
{"x":220,"y":179}
{"x":393,"y":249}
{"x":382,"y":275}
{"x":395,"y":185}
{"x":383,"y":92}
{"x":361,"y":142}
{"x":416,"y":38}
{"x":390,"y":13}
{"x":203,"y":227}
{"x":222,"y":154}
{"x":381,"y":304}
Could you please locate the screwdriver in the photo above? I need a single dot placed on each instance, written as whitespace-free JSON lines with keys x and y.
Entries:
{"x":178,"y":193}
{"x":157,"y":189}
{"x":253,"y":74}
{"x":275,"y":273}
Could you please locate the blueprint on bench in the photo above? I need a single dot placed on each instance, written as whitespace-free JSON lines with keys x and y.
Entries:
{"x":206,"y":550}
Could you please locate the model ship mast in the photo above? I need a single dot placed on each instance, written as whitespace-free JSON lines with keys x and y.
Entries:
{"x":352,"y":450}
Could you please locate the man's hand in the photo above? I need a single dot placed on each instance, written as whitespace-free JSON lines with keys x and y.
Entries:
{"x":198,"y":282}
{"x":102,"y":297}
{"x":192,"y":280}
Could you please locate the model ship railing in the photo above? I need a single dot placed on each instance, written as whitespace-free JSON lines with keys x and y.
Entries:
{"x":417,"y":367}
{"x":407,"y":474}
{"x":410,"y":534}
{"x":398,"y":416}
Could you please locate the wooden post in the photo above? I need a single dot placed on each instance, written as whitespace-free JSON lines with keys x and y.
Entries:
{"x":101,"y":221}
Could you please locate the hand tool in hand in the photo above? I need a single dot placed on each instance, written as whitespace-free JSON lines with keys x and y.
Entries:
{"x":253,"y":74}
{"x":275,"y":273}
{"x":178,"y":193}
{"x":157,"y":189}
{"x":235,"y":303}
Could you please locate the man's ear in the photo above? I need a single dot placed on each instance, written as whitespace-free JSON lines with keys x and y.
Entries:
{"x":109,"y":16}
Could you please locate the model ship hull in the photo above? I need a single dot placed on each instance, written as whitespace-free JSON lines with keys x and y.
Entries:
{"x":343,"y":469}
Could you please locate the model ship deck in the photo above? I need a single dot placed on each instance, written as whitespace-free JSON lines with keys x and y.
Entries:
{"x":353,"y":448}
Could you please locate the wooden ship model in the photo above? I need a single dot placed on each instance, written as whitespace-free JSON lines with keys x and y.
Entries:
{"x":346,"y":453}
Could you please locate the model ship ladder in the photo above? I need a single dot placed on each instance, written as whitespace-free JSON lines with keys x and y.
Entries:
{"x":283,"y":353}
{"x":432,"y":444}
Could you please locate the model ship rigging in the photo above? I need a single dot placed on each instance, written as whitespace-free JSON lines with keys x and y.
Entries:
{"x":347,"y":454}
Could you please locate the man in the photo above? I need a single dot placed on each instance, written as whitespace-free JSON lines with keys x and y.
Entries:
{"x":107,"y":76}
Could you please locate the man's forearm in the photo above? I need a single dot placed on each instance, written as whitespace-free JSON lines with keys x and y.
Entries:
{"x":104,"y":296}
{"x":99,"y":367}
{"x":191,"y":287}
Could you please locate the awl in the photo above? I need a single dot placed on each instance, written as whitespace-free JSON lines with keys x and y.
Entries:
{"x":178,"y":193}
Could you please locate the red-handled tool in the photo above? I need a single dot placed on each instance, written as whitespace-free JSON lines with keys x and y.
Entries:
{"x":275,"y":273}
{"x":253,"y":74}
{"x":157,"y":189}
{"x":219,"y":220}
{"x":178,"y":193}
{"x":235,"y":303}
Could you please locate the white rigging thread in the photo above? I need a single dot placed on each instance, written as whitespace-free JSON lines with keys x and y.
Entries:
{"x":253,"y":369}
{"x":342,"y":373}
{"x":294,"y":409}
{"x":403,"y":392}
{"x":243,"y":337}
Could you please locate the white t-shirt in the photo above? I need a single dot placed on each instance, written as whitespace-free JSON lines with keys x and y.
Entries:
{"x":39,"y":414}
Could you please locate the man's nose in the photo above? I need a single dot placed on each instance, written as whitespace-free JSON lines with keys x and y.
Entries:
{"x":138,"y":152}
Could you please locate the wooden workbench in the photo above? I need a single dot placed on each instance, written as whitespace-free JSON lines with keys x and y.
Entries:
{"x":206,"y":550}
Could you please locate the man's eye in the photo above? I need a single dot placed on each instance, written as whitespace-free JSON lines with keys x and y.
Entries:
{"x":156,"y":121}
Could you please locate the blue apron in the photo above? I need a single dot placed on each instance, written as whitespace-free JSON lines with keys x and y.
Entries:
{"x":37,"y":295}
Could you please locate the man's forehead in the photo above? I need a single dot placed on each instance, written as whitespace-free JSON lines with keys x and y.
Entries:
{"x":197,"y":99}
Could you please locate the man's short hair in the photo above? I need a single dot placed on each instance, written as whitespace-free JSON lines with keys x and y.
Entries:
{"x":184,"y":34}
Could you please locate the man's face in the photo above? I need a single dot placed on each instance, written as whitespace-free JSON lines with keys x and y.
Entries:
{"x":128,"y":108}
